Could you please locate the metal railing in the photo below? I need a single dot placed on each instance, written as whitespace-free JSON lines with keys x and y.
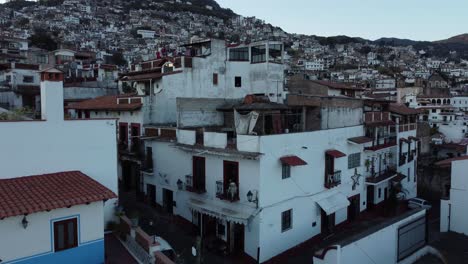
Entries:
{"x":219,"y":189}
{"x":189,"y":181}
{"x":333,"y":179}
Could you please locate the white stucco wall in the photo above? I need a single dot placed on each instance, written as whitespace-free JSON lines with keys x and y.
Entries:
{"x":459,"y":197}
{"x":369,"y":250}
{"x":17,"y":242}
{"x":39,"y":147}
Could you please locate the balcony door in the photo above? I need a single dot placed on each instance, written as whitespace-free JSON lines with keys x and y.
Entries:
{"x":231,"y":174}
{"x":199,"y":174}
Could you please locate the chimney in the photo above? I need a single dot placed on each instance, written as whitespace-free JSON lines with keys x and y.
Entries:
{"x":52,"y":95}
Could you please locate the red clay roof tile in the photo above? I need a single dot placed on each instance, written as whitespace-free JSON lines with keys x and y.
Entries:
{"x":31,"y":194}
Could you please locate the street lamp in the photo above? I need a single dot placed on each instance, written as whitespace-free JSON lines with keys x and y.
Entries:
{"x":251,"y":198}
{"x":24,"y":222}
{"x":180,"y":184}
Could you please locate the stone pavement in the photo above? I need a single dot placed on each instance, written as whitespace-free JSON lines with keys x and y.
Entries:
{"x":115,"y":252}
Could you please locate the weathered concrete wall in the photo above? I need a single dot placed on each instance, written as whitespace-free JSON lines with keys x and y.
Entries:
{"x":70,"y":93}
{"x":299,"y":86}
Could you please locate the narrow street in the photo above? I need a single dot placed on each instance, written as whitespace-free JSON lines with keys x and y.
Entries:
{"x":179,"y":235}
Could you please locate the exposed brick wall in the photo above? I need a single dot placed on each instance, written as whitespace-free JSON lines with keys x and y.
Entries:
{"x":125,"y":225}
{"x":144,"y":240}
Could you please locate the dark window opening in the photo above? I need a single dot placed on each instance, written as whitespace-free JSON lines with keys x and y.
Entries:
{"x":274,"y":53}
{"x":198,"y":172}
{"x":65,"y":234}
{"x":258,"y":54}
{"x":239,"y":54}
{"x":286,"y":171}
{"x":238,"y":81}
{"x":286,"y":220}
{"x":215,"y":79}
{"x":231,"y":178}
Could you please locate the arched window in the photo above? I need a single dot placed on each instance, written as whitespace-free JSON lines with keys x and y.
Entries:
{"x":433,"y":101}
{"x":438,"y":101}
{"x":444,"y":101}
{"x":448,"y":101}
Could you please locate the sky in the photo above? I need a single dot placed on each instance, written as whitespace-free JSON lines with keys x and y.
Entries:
{"x":371,"y":19}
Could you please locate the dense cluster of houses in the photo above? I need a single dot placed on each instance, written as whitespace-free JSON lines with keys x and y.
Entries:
{"x":260,"y":146}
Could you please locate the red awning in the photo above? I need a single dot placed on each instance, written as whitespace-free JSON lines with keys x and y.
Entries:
{"x":293,"y":161}
{"x":399,"y":177}
{"x":335,"y":153}
{"x":360,"y":140}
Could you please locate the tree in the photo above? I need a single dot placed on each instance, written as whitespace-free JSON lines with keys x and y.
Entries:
{"x":22,"y":22}
{"x":42,"y":39}
{"x":118,"y":59}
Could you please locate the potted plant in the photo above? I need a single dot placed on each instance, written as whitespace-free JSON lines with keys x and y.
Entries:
{"x":367,"y":164}
{"x":134,"y":216}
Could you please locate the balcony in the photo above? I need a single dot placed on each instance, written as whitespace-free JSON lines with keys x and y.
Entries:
{"x":402,"y":159}
{"x":333,"y":179}
{"x":381,"y":143}
{"x":381,"y":176}
{"x":407,"y":127}
{"x":189,"y":182}
{"x":230,"y":194}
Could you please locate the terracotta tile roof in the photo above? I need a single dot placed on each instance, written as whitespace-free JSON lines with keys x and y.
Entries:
{"x":293,"y":161}
{"x":31,"y":194}
{"x":403,"y":109}
{"x":335,"y":85}
{"x":360,"y":140}
{"x":335,"y":153}
{"x":448,"y":162}
{"x":108,"y":102}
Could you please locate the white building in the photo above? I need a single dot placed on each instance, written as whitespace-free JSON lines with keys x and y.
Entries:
{"x":55,"y":218}
{"x":385,"y":83}
{"x":315,"y":65}
{"x":263,"y":190}
{"x":210,"y":70}
{"x":131,"y":113}
{"x":454,"y":211}
{"x":54,"y":144}
{"x":19,"y":86}
{"x":146,"y":33}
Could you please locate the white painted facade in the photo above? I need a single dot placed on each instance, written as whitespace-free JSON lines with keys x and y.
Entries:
{"x":17,"y":242}
{"x":370,"y":249}
{"x":54,"y":144}
{"x":300,"y":192}
{"x":454,"y":211}
{"x":197,"y":81}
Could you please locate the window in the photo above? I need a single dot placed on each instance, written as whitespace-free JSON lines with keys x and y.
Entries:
{"x":380,"y":193}
{"x":215,"y":79}
{"x":87,"y":114}
{"x":28,"y":79}
{"x":238,"y":81}
{"x":286,"y":220}
{"x":123,"y":133}
{"x":258,"y":54}
{"x":286,"y":171}
{"x":65,"y":234}
{"x":354,"y":160}
{"x":433,"y":110}
{"x":274,"y":52}
{"x":239,"y":54}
